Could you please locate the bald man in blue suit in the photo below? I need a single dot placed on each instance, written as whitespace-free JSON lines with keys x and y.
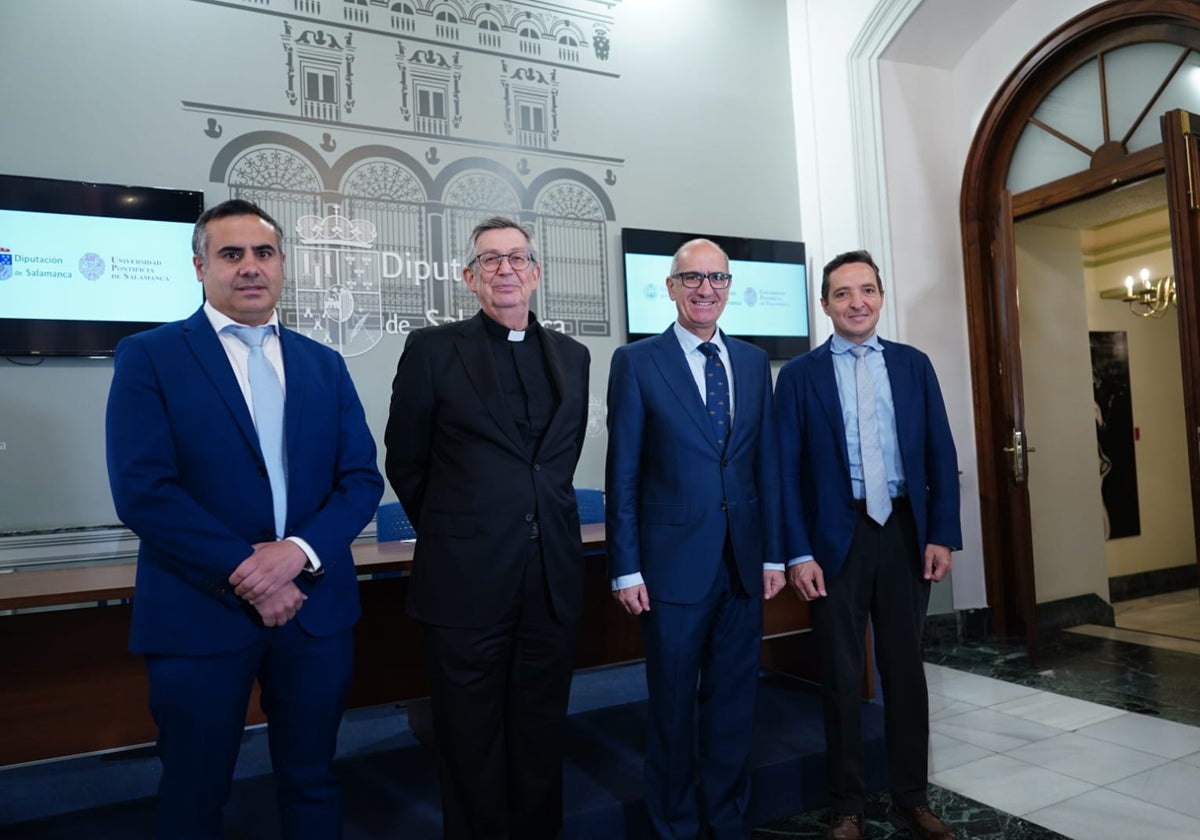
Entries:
{"x":236,"y":582}
{"x":693,"y":544}
{"x":855,"y":557}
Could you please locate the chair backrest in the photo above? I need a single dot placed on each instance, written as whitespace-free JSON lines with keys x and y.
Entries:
{"x":591,"y":505}
{"x":391,"y":523}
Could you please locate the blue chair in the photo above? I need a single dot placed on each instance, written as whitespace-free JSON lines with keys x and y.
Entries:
{"x":391,"y":523}
{"x":591,"y":505}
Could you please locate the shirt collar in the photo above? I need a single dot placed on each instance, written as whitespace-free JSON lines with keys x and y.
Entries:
{"x":219,"y":320}
{"x":500,"y":332}
{"x":690,"y":341}
{"x":841,"y":345}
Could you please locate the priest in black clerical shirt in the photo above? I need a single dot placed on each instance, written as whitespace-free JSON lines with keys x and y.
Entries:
{"x":486,"y":426}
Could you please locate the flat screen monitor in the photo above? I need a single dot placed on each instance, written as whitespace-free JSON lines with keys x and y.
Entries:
{"x":768,"y":298}
{"x":83,"y":265}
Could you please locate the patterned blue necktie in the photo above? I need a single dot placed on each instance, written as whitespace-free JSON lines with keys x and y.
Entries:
{"x":266,"y":394}
{"x":716,"y":392}
{"x":875,"y":487}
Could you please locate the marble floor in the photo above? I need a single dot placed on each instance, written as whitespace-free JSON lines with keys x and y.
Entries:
{"x":1099,"y":739}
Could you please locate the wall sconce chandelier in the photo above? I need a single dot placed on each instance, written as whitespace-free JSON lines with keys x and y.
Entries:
{"x":1147,"y":298}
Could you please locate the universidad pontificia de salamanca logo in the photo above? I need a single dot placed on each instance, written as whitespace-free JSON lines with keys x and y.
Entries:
{"x":5,"y":264}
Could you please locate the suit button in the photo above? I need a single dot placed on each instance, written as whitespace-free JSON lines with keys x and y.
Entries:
{"x":724,"y":506}
{"x":537,"y":467}
{"x":529,"y":517}
{"x":724,"y":462}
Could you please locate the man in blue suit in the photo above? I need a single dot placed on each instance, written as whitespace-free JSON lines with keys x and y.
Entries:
{"x":693,"y":546}
{"x":237,"y":581}
{"x":871,"y":514}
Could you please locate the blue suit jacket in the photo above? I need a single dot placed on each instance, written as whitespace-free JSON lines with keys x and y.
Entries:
{"x":818,"y":503}
{"x":188,"y":478}
{"x":671,"y":492}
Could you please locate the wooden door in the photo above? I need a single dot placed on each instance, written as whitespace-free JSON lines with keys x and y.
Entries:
{"x":1181,"y":152}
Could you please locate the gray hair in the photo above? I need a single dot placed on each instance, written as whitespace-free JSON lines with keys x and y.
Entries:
{"x":499,"y":223}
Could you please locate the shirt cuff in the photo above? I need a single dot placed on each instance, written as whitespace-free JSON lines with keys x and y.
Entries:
{"x":772,"y":567}
{"x":795,"y":561}
{"x":314,"y":562}
{"x":626,"y":581}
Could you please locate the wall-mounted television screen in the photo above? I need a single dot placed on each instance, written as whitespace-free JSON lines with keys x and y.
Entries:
{"x":768,"y":298}
{"x":83,"y":265}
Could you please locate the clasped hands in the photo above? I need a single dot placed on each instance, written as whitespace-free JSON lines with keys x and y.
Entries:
{"x":266,"y":580}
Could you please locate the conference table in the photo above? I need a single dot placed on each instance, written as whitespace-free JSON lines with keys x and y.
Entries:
{"x":70,"y":686}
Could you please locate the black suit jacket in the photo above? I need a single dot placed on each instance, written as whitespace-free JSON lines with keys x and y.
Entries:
{"x":474,"y":493}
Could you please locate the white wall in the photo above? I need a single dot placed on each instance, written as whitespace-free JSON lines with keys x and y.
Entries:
{"x":688,"y":125}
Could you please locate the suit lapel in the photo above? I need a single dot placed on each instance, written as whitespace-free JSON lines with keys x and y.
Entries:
{"x":551,"y":346}
{"x":471,"y":343}
{"x":294,"y":363}
{"x":904,"y":392}
{"x":668,"y":357}
{"x":746,"y":388}
{"x":825,"y":385}
{"x":210,"y":355}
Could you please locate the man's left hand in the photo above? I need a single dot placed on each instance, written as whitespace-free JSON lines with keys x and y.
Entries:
{"x":773,"y":582}
{"x":937,"y":562}
{"x":267,"y":570}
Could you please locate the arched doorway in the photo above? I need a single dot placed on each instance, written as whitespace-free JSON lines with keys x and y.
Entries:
{"x":988,"y":210}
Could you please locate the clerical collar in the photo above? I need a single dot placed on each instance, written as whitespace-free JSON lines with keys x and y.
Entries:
{"x":498,"y":331}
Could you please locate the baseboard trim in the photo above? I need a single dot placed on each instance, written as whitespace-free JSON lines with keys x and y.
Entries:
{"x":1152,"y":582}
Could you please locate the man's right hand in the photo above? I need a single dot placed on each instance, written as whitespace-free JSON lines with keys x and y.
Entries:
{"x":633,"y":599}
{"x":279,"y":608}
{"x":807,"y":579}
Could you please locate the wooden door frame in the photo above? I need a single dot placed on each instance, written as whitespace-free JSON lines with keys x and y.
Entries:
{"x":995,"y":354}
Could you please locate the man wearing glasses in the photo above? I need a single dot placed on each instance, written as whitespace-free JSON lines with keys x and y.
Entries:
{"x":693,"y":543}
{"x":486,"y":426}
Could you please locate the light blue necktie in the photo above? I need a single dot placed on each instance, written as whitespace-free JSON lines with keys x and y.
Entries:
{"x":267,"y":396}
{"x":875,"y":487}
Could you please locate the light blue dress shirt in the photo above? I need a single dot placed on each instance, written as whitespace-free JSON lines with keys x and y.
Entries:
{"x":885,"y":411}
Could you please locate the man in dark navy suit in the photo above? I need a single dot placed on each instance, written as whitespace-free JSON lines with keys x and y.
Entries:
{"x":871,"y":514}
{"x":693,"y":546}
{"x":487,"y":423}
{"x":244,"y":570}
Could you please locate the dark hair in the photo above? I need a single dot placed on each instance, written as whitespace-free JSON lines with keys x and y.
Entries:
{"x":500,"y":223}
{"x":232,"y":207}
{"x":846,"y":259}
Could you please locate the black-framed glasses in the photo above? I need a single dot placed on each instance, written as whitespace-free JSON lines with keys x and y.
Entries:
{"x":517,"y":261}
{"x":695,"y":279}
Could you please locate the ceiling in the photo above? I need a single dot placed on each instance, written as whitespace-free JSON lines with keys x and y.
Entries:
{"x":1108,"y":208}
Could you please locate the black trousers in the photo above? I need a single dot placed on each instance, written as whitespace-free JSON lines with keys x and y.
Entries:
{"x":881,"y":579}
{"x":499,"y":695}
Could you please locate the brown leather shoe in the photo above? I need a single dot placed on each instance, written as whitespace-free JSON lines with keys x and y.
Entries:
{"x":845,"y":827}
{"x":920,"y":822}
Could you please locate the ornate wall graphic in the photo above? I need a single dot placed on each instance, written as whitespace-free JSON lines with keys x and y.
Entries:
{"x":467,"y":103}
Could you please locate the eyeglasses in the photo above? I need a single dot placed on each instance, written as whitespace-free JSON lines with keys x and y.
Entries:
{"x":695,"y":279}
{"x":517,"y":261}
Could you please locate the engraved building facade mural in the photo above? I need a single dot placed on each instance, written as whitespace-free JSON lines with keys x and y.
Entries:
{"x":377,"y":172}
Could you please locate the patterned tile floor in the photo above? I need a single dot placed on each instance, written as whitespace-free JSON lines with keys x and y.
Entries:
{"x":1100,"y":740}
